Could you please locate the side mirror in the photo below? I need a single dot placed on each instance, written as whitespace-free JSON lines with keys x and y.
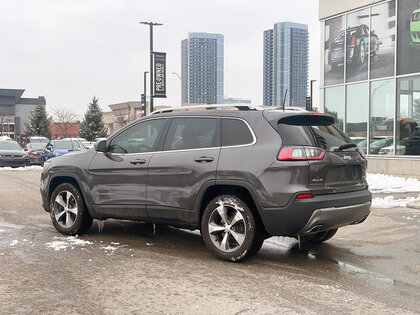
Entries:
{"x":100,"y":146}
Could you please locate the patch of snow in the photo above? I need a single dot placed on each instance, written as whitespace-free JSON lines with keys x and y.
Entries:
{"x":26,"y":168}
{"x":13,"y":243}
{"x":380,"y":183}
{"x":109,"y":247}
{"x":64,"y":243}
{"x":1,"y":230}
{"x":391,"y":202}
{"x":148,"y":244}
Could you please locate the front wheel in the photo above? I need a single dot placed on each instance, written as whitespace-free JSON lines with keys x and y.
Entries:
{"x":68,"y":212}
{"x":317,"y":238}
{"x":229,"y":229}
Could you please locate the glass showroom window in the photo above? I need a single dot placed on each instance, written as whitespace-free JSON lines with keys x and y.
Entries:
{"x":357,"y":45}
{"x":382,"y":99}
{"x":334,"y":104}
{"x":357,"y":111}
{"x":408,"y":115}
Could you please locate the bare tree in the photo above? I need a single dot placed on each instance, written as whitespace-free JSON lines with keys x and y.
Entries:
{"x":65,"y":118}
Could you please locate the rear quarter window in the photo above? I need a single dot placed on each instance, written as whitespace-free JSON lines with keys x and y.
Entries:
{"x":235,"y":132}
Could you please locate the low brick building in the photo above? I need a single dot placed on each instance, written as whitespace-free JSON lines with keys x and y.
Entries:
{"x":61,"y":130}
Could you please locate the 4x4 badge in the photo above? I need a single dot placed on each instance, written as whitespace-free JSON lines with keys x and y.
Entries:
{"x":347,"y":157}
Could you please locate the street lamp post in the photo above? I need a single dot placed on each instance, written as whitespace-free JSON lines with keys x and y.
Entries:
{"x":144,"y":89}
{"x":180,"y":79}
{"x":151,"y":24}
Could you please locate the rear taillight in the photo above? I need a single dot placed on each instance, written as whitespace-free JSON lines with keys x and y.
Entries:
{"x":32,"y":152}
{"x":329,"y":47}
{"x":304,"y":196}
{"x":353,"y":41}
{"x":300,"y":154}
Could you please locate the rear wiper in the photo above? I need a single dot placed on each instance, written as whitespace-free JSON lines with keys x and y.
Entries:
{"x":346,"y":146}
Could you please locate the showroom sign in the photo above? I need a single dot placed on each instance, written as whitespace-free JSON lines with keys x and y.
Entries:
{"x":159,"y":74}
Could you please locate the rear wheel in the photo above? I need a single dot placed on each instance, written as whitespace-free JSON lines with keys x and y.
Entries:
{"x":229,"y":229}
{"x":318,"y":238}
{"x":68,"y":212}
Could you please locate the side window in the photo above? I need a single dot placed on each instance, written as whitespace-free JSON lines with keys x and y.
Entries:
{"x":235,"y":132}
{"x":139,"y":138}
{"x":192,"y":133}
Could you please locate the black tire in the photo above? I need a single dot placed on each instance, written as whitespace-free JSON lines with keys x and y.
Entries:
{"x":79,"y":219}
{"x":240,"y":224}
{"x":317,"y":238}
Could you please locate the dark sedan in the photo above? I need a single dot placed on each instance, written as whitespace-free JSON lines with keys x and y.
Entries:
{"x":12,"y":154}
{"x":357,"y":46}
{"x":34,"y":151}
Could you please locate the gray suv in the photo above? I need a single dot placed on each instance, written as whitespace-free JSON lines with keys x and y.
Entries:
{"x":240,"y":176}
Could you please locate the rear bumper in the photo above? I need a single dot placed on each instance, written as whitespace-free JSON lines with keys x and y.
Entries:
{"x":321,"y":213}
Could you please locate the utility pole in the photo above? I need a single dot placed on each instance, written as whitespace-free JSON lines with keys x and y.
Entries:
{"x":144,"y":89}
{"x":151,"y":24}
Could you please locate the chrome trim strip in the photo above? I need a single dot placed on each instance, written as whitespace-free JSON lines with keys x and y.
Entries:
{"x":185,"y":150}
{"x":344,"y":208}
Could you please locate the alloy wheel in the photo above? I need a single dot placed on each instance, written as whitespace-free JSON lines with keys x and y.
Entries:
{"x":227,"y":228}
{"x":65,"y":209}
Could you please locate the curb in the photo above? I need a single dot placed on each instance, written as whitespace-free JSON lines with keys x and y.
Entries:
{"x":413,"y":205}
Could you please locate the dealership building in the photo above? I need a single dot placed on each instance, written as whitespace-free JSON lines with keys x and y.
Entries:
{"x":373,"y":90}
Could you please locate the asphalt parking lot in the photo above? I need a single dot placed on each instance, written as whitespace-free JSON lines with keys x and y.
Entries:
{"x":121,"y":267}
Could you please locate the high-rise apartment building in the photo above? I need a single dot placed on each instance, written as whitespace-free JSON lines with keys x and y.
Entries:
{"x":202,"y":68}
{"x":286,"y":64}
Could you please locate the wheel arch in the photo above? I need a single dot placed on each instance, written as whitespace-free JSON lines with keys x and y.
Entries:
{"x":57,"y":180}
{"x":238,"y":188}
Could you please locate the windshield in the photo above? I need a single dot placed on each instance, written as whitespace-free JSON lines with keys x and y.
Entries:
{"x":64,"y":145}
{"x":9,"y":145}
{"x":36,"y":146}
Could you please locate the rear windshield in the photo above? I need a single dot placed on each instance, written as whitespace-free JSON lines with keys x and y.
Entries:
{"x":311,"y":130}
{"x":64,"y":145}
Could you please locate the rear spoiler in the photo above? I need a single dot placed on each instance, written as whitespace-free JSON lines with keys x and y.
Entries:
{"x":298,"y":119}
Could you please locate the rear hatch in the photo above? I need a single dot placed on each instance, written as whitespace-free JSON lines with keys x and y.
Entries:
{"x":335,"y":163}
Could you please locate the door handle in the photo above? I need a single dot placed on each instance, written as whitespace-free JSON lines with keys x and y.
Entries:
{"x":202,"y":159}
{"x":138,"y":161}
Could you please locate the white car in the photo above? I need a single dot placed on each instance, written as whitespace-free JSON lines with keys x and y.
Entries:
{"x":390,"y":149}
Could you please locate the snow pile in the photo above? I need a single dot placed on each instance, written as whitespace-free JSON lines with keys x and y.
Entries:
{"x":391,"y":202}
{"x":64,"y":243}
{"x":26,"y":168}
{"x":380,"y":183}
{"x":13,"y":243}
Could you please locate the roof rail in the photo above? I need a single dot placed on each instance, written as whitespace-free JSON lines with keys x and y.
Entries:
{"x":209,"y":106}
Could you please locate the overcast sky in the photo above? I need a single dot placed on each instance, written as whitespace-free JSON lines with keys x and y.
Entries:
{"x":69,"y":51}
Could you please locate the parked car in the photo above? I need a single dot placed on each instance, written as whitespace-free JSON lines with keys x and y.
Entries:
{"x":377,"y":145}
{"x":412,"y":144}
{"x":60,"y":147}
{"x":38,"y":140}
{"x":35,"y":150}
{"x":357,"y":46}
{"x":415,"y":27}
{"x":12,"y":154}
{"x":285,"y":173}
{"x":390,"y":149}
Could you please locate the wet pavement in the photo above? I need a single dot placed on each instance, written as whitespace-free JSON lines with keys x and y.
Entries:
{"x":121,"y":267}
